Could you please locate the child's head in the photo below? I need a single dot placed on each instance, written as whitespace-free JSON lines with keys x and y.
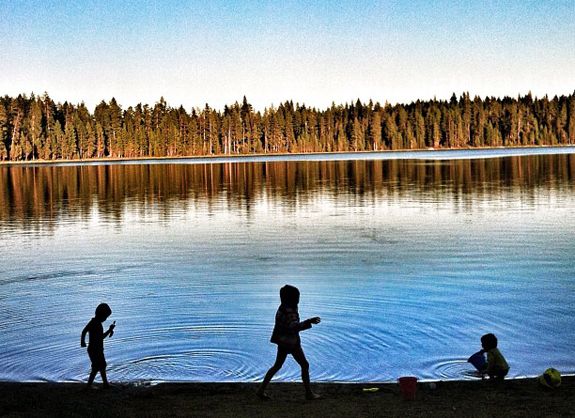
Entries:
{"x":289,"y":295}
{"x":103,"y":311}
{"x":489,"y":341}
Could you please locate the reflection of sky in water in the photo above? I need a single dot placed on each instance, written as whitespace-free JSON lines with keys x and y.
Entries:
{"x":406,"y":274}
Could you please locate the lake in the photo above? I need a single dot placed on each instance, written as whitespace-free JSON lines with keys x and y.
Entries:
{"x":408,"y":259}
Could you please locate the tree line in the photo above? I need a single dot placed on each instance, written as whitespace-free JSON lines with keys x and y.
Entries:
{"x":36,"y":127}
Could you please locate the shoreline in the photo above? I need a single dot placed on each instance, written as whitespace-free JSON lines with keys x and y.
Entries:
{"x":472,"y":377}
{"x":309,"y":156}
{"x":480,"y":398}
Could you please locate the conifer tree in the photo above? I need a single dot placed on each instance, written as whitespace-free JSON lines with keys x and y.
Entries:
{"x":17,"y":117}
{"x":374,"y":131}
{"x":3,"y":132}
{"x":570,"y":119}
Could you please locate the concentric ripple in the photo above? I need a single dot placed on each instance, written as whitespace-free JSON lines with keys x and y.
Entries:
{"x":407,"y":263}
{"x":450,"y":369}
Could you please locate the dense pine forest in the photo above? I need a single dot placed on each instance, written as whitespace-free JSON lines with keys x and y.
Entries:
{"x":34,"y":127}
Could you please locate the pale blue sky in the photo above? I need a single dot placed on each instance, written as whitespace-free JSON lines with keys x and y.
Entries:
{"x":193,"y":52}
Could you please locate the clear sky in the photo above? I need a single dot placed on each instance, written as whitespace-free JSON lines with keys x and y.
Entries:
{"x":312,"y":51}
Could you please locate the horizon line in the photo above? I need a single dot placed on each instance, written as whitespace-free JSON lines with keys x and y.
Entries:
{"x":297,"y":103}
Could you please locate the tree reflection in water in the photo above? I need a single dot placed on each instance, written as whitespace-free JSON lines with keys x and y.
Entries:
{"x":37,"y":197}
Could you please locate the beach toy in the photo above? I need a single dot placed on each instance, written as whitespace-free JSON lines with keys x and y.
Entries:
{"x":478,"y":361}
{"x":408,"y":387}
{"x":551,"y":378}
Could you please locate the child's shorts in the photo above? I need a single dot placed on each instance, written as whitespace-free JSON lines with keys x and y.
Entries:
{"x":498,"y":373}
{"x":97,"y":358}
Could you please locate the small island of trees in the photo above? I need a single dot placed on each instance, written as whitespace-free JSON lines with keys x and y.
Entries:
{"x":37,"y":128}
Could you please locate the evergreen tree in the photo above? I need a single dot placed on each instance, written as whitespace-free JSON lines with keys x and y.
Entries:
{"x":570,"y":119}
{"x":419,"y":123}
{"x":391,"y":133}
{"x":17,"y":116}
{"x":374,"y":131}
{"x":4,"y":126}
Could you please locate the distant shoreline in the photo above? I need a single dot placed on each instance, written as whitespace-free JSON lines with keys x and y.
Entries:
{"x":429,"y":153}
{"x":514,"y":397}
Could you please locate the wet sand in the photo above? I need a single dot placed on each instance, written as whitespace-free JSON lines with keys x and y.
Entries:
{"x":512,"y":398}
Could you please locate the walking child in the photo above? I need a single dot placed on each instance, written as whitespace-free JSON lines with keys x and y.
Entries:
{"x":286,"y":336}
{"x":96,"y":342}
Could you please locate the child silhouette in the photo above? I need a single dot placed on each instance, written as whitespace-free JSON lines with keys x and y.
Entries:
{"x":286,"y":336}
{"x":96,"y":343}
{"x":496,"y":367}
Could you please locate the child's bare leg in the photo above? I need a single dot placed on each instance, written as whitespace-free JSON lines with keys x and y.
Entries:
{"x":280,"y":359}
{"x":92,"y":377}
{"x":299,"y":356}
{"x":104,"y":378}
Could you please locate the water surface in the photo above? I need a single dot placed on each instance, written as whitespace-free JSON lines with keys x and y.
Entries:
{"x":408,"y":262}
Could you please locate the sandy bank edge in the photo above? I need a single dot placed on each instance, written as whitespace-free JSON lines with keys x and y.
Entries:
{"x":512,"y":398}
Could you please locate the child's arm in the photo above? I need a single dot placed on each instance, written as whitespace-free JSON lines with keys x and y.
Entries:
{"x":490,"y":364}
{"x":308,"y":322}
{"x":84,"y":332}
{"x":110,"y":331}
{"x":294,"y":322}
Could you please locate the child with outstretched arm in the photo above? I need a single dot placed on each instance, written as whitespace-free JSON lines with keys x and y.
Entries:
{"x":96,"y":342}
{"x":286,"y":336}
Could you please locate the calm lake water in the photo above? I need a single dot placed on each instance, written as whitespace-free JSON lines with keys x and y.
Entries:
{"x":407,"y":261}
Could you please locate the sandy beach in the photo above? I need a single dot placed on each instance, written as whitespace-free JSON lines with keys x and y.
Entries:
{"x":512,"y":398}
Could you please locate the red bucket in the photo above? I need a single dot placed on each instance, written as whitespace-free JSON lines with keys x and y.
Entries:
{"x":408,"y":387}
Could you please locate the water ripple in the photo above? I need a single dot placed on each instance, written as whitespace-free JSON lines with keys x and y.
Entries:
{"x":408,"y":265}
{"x":450,"y":369}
